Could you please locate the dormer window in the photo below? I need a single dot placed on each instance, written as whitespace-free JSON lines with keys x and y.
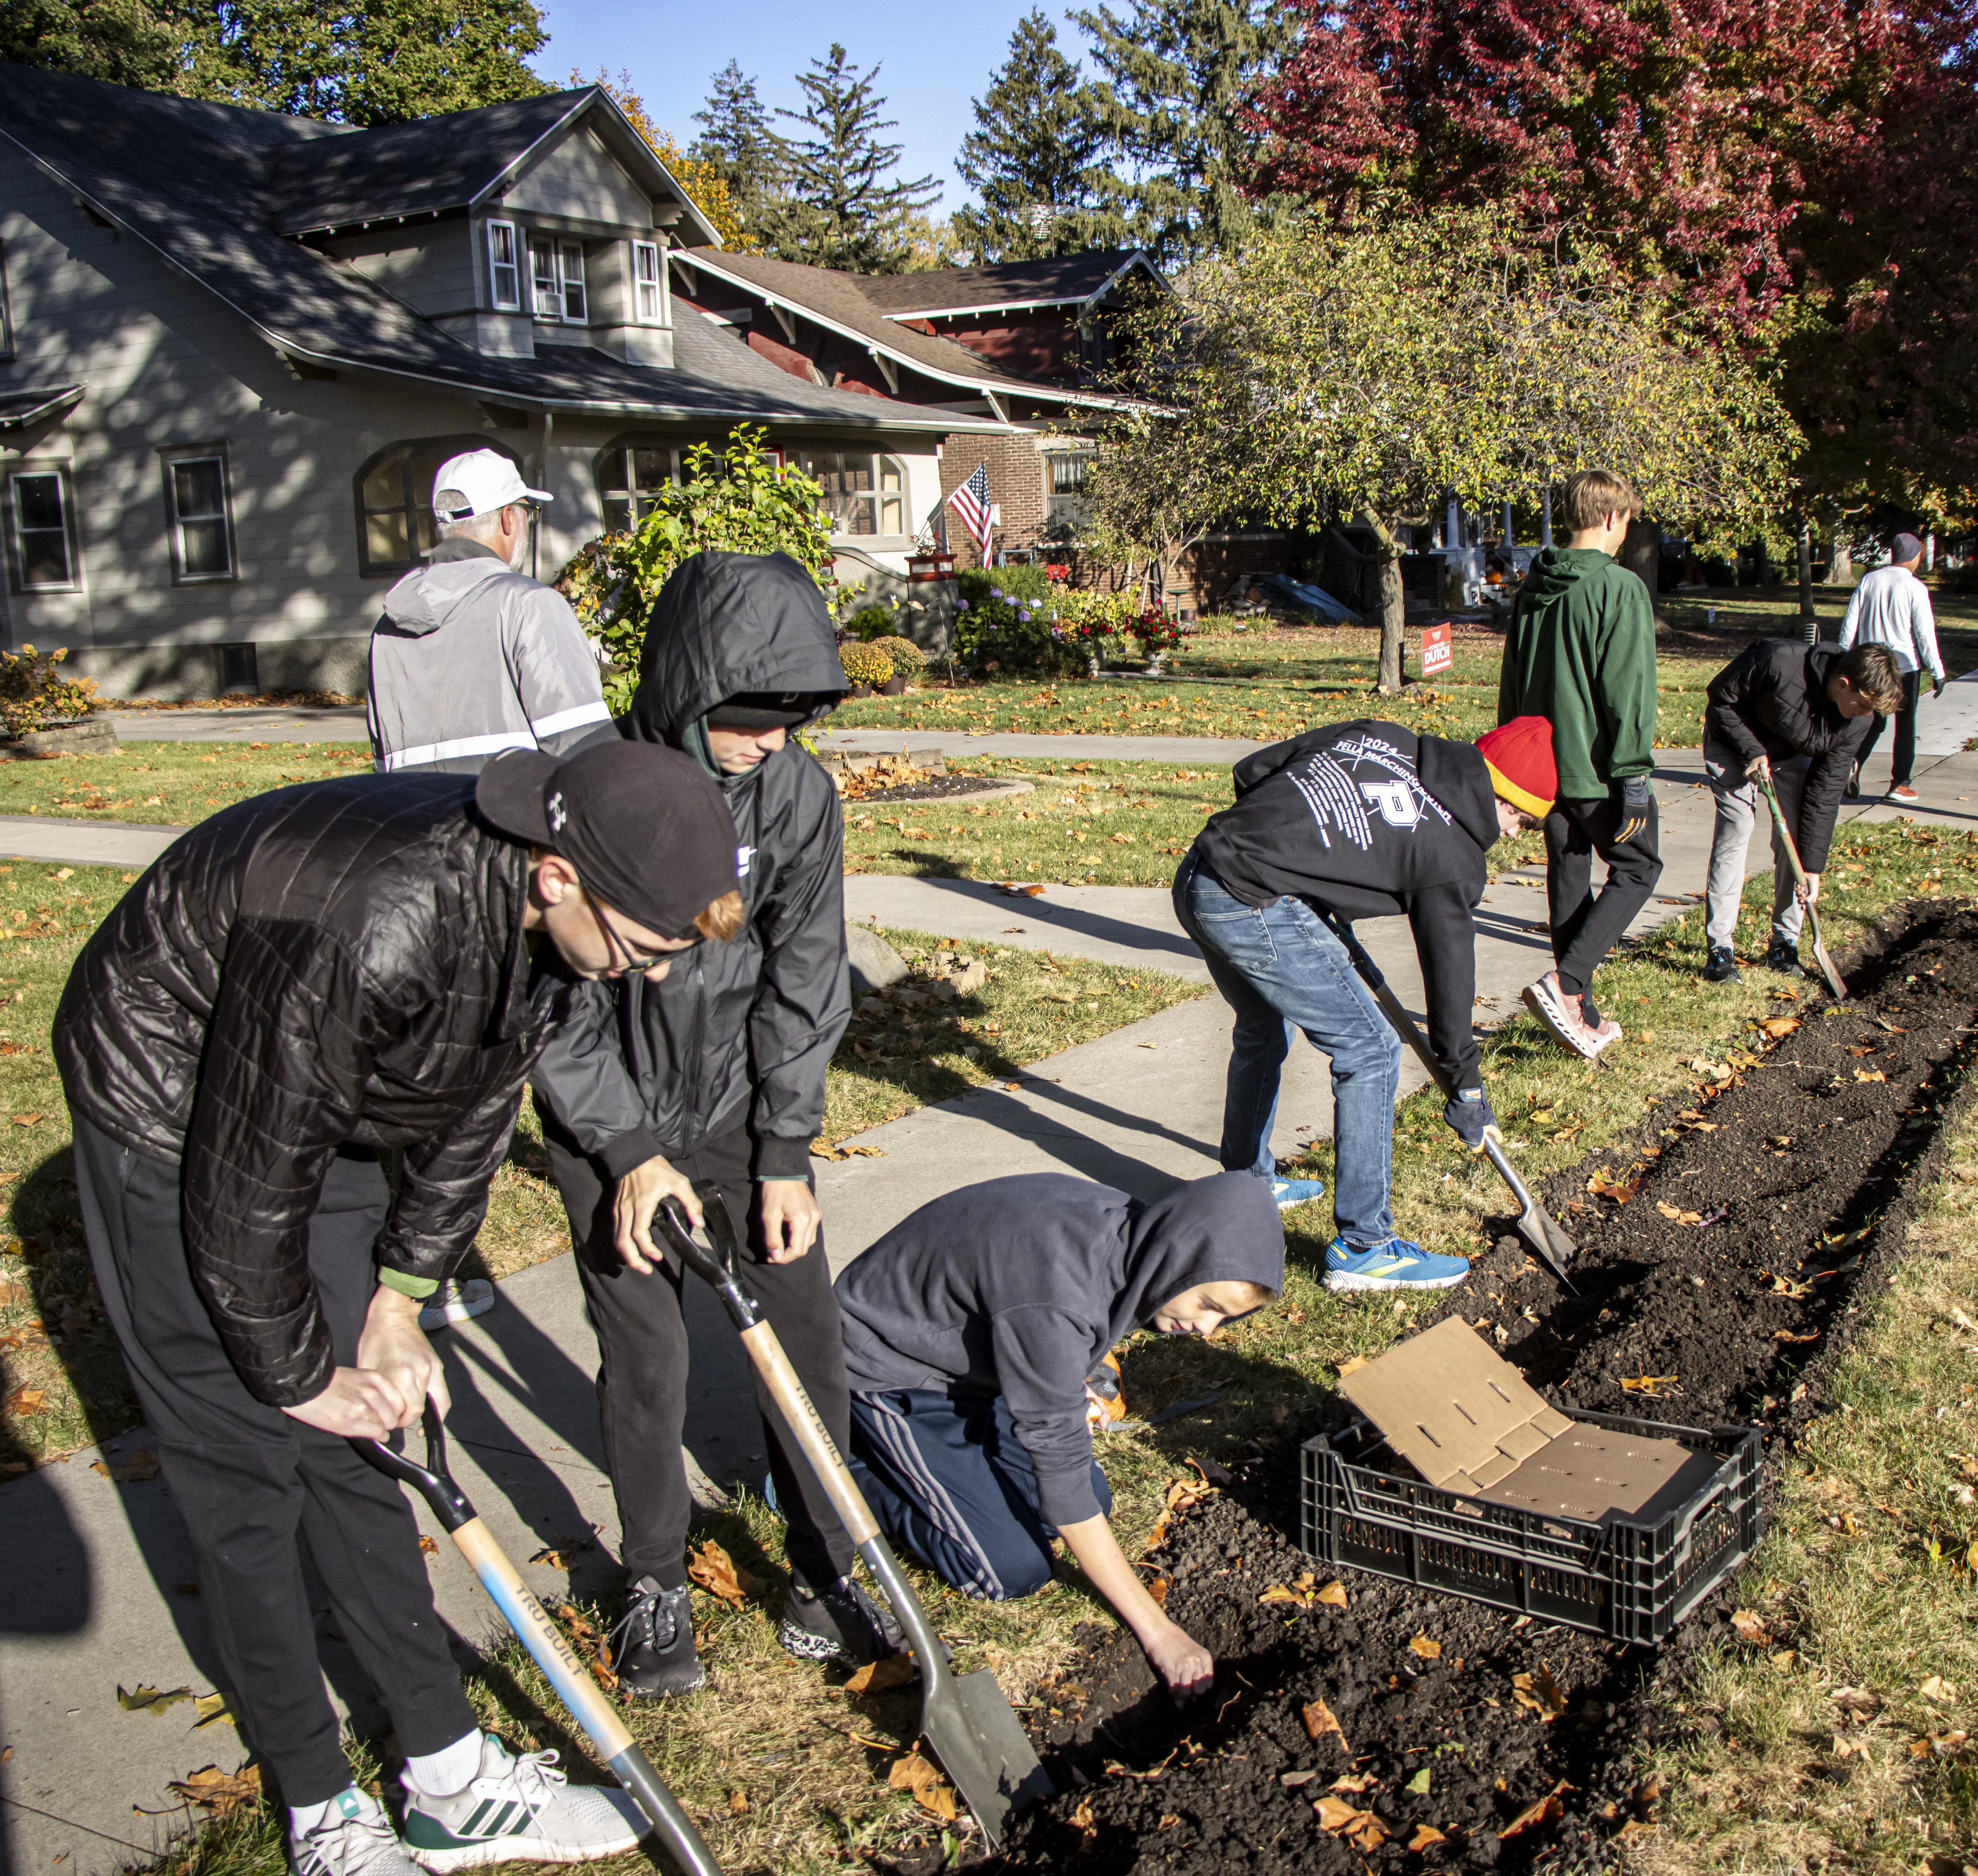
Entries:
{"x":556,"y":270}
{"x":504,"y":270}
{"x":647,"y":307}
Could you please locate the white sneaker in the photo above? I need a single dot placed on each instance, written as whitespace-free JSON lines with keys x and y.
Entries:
{"x":356,"y":1839}
{"x":456,"y":1302}
{"x":518,"y":1810}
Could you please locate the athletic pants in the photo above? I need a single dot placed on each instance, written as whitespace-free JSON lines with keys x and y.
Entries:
{"x":1585,"y":926}
{"x":952,"y":1485}
{"x":255,"y":1489}
{"x":1737,"y":807}
{"x":642,"y":1344}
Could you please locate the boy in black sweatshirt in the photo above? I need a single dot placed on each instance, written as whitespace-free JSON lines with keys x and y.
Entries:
{"x":971,"y":1329}
{"x":1355,"y":820}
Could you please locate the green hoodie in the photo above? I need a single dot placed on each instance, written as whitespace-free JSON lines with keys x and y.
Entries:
{"x":1582,"y":652}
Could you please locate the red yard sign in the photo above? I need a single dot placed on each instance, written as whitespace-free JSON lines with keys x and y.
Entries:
{"x":1437,"y":653}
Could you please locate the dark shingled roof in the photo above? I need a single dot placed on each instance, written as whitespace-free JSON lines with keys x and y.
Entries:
{"x":1069,"y":277}
{"x":193,"y":180}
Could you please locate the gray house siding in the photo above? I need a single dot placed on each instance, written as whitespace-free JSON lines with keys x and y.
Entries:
{"x":428,"y":266}
{"x":581,"y":180}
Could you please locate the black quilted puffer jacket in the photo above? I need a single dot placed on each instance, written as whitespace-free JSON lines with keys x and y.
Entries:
{"x":340,"y":962}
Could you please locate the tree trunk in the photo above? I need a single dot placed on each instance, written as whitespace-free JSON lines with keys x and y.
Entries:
{"x":1394,"y":605}
{"x":1840,"y":558}
{"x":1642,"y":555}
{"x":1808,"y":618}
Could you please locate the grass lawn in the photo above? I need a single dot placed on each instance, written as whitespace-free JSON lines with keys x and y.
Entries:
{"x":169,"y":783}
{"x":1269,"y":683}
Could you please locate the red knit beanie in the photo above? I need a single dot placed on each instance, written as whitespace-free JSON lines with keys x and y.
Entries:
{"x":1520,"y":757}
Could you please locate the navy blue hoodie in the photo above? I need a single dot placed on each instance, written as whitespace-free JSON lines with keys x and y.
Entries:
{"x":1018,"y":1288}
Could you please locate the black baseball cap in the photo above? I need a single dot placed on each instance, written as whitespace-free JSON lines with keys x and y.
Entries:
{"x":647,"y":829}
{"x":759,"y":710}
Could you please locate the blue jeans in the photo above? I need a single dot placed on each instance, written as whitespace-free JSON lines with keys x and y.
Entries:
{"x":1278,"y":966}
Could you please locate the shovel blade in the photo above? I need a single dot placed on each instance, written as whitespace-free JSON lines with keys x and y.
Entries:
{"x":1548,"y":1241}
{"x":1827,"y":969}
{"x":983,"y":1748}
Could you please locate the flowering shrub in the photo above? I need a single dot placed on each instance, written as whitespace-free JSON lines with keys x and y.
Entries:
{"x":865,"y":663}
{"x":33,"y":696}
{"x":995,"y":629}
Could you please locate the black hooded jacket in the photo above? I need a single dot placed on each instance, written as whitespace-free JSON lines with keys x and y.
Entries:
{"x":343,"y":962}
{"x":1772,"y":700}
{"x":737,"y":1033}
{"x":1369,"y":821}
{"x":1018,"y":1288}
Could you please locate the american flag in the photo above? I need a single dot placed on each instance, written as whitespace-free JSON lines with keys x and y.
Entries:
{"x":971,"y":502}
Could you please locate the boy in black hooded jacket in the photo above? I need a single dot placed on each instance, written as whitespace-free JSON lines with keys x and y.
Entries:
{"x":971,"y":1330}
{"x":715,"y":1079}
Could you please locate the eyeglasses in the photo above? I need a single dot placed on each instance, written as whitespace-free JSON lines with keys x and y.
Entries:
{"x":620,"y":949}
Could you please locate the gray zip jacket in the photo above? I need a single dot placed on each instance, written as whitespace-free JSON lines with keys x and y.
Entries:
{"x":472,"y":658}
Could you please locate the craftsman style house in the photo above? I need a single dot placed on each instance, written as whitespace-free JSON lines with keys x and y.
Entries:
{"x":235,"y":346}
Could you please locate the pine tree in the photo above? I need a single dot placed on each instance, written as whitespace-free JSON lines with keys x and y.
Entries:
{"x":1032,"y":158}
{"x":1180,"y":76}
{"x":844,"y":205}
{"x":737,"y":140}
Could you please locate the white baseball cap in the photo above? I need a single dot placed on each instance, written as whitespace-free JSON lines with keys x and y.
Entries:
{"x":483,"y":480}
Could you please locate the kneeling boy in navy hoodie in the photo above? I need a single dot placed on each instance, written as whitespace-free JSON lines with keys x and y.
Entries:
{"x":971,"y":1330}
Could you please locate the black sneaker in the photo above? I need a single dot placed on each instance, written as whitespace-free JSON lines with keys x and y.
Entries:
{"x":838,"y":1622}
{"x":1721,"y":967}
{"x":1784,"y":958}
{"x":655,"y":1655}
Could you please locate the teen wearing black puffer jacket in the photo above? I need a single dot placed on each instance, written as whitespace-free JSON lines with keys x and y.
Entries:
{"x":715,"y":1081}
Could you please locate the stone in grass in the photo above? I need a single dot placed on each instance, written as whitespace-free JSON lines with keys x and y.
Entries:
{"x":874,"y":962}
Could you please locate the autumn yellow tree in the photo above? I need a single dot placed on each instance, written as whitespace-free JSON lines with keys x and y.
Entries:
{"x":1362,"y":371}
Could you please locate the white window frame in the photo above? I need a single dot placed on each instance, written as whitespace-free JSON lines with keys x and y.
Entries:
{"x":72,"y":557}
{"x":545,"y":289}
{"x":877,"y":498}
{"x":176,"y":521}
{"x":500,"y":235}
{"x":570,"y":282}
{"x":649,"y":287}
{"x":6,"y":309}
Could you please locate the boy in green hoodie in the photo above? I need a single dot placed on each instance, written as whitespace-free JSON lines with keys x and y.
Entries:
{"x":1582,"y":653}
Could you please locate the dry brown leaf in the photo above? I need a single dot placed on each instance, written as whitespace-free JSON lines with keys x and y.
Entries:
{"x":1360,"y":1829}
{"x":1751,"y":1627}
{"x":1786,"y":1335}
{"x":1647,"y":1384}
{"x":1354,"y":1782}
{"x":211,"y":1709}
{"x":1081,"y":1818}
{"x":1937,"y":1687}
{"x":1319,"y":1720}
{"x":25,"y":1120}
{"x":882,"y":1676}
{"x":1603,"y":1184}
{"x":142,"y":1699}
{"x":1351,"y":1365}
{"x":1426,"y":1837}
{"x":218,"y":1793}
{"x":1539,"y":1693}
{"x":1277,"y":1593}
{"x":738,"y":1803}
{"x":711,"y":1567}
{"x":427,"y":1546}
{"x":1634,"y":1828}
{"x":1158,"y":1590}
{"x":1543,"y":1811}
{"x":931,"y":1791}
{"x":1776,"y":1026}
{"x":1333,"y":1595}
{"x":1428,"y":1650}
{"x":1857,"y":1701}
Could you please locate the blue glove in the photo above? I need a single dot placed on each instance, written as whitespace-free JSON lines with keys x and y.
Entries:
{"x":1469,"y":1112}
{"x":1638,"y":803}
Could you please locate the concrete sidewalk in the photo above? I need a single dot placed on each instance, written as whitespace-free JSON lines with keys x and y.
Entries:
{"x":89,"y":1568}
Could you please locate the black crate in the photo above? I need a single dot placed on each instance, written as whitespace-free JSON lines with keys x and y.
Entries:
{"x":1622,"y":1577}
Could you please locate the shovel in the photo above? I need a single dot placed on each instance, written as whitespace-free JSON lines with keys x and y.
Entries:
{"x":1820,"y":957}
{"x":544,"y":1640}
{"x":965,"y":1718}
{"x":1536,"y":1226}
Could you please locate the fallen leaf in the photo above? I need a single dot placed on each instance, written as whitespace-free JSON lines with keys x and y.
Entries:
{"x":25,"y":1120}
{"x":142,"y":1699}
{"x":1418,"y":1786}
{"x":1603,"y":1184}
{"x":1082,"y":1816}
{"x":1647,"y":1384}
{"x":1292,"y":1780}
{"x":555,"y":1558}
{"x":427,"y":1546}
{"x":1543,"y":1810}
{"x":1634,"y":1828}
{"x":1351,"y":1365}
{"x":711,"y":1567}
{"x":1937,"y":1687}
{"x":1158,"y":1590}
{"x":1360,"y":1829}
{"x":882,"y":1676}
{"x":930,"y":1790}
{"x":1319,"y":1721}
{"x":1333,"y":1595}
{"x":1786,"y":1335}
{"x":1784,"y":1285}
{"x":1539,"y":1693}
{"x":1777,"y":1026}
{"x":1428,"y":1650}
{"x":1277,"y":1593}
{"x":220,"y":1793}
{"x":1675,"y":1212}
{"x":66,"y":872}
{"x":211,"y":1710}
{"x":1426,"y":1837}
{"x":1857,"y":1701}
{"x":1751,"y":1627}
{"x":738,"y":1803}
{"x":1354,"y":1782}
{"x":138,"y":1468}
{"x":1870,"y":1075}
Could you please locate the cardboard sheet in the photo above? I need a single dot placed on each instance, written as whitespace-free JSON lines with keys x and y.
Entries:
{"x":1468,"y":1421}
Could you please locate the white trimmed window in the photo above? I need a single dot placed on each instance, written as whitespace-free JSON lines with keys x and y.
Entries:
{"x":629,"y":478}
{"x":556,"y":274}
{"x":200,"y":510}
{"x":6,"y":310}
{"x":504,"y":268}
{"x":863,"y":493}
{"x":44,"y":528}
{"x":570,"y":254}
{"x":648,"y":307}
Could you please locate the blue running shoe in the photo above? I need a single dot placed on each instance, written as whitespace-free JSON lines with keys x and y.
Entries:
{"x":1290,"y":1192}
{"x":1395,"y":1265}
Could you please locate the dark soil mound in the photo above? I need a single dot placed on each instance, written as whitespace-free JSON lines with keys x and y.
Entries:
{"x":936,"y":787}
{"x":1802,"y":1153}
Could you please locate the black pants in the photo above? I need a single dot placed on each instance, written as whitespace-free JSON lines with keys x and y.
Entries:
{"x":254,"y":1486}
{"x":1586,"y":926}
{"x":642,"y":1343}
{"x":1902,"y":755}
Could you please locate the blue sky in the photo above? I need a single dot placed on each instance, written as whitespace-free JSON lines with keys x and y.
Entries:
{"x":935,"y":59}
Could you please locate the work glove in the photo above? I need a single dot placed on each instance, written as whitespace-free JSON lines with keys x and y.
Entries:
{"x":1469,"y":1112}
{"x":1638,"y":803}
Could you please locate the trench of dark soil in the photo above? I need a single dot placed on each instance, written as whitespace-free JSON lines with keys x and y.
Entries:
{"x":1814,"y":1144}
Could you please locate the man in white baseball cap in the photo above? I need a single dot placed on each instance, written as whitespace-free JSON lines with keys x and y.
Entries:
{"x":473,"y":657}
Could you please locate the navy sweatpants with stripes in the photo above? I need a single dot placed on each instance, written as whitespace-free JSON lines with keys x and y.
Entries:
{"x":951,"y":1485}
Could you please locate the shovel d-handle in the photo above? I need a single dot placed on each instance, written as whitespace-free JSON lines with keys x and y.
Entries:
{"x":719,"y":1268}
{"x":548,"y":1646}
